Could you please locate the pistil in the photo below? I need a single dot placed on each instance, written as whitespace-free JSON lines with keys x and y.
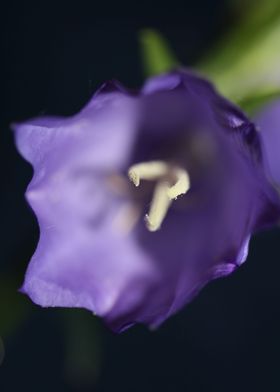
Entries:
{"x":164,"y":192}
{"x":159,"y":207}
{"x":147,"y":171}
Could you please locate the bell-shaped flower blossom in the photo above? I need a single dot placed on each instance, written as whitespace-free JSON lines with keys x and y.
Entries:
{"x":268,"y":121}
{"x":142,"y":198}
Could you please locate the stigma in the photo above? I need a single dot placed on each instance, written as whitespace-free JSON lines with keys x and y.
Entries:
{"x":171,"y":182}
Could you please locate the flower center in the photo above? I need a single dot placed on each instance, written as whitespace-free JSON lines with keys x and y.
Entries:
{"x":172,"y":181}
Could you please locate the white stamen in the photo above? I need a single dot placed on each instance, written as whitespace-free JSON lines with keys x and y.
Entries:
{"x":159,"y":207}
{"x":164,"y":192}
{"x":147,"y":171}
{"x":181,"y":186}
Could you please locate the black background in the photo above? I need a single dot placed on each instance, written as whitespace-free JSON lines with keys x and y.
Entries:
{"x":52,"y":58}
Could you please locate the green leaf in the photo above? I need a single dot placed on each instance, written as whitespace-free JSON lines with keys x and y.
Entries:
{"x":157,"y":56}
{"x":246,"y":63}
{"x":252,"y":104}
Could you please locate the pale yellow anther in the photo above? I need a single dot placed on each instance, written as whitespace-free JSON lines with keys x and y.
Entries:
{"x":181,"y":186}
{"x":159,"y":207}
{"x":147,"y":171}
{"x":164,"y":192}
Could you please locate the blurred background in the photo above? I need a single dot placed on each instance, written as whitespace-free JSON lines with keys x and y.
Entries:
{"x":53,"y":57}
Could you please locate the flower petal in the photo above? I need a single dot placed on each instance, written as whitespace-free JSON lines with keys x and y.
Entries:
{"x":268,"y":121}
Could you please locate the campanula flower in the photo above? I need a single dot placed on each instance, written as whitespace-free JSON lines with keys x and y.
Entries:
{"x":268,"y":121}
{"x":142,"y":198}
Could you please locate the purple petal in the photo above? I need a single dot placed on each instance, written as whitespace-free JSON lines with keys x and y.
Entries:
{"x":89,"y":254}
{"x":268,"y":121}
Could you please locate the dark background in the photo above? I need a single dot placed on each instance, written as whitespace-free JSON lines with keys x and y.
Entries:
{"x":52,"y":58}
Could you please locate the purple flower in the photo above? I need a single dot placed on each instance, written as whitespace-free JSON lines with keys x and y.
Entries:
{"x":268,"y":121}
{"x":142,"y":199}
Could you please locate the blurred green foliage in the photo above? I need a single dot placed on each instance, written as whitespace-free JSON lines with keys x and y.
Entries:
{"x":157,"y":56}
{"x":244,"y":65}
